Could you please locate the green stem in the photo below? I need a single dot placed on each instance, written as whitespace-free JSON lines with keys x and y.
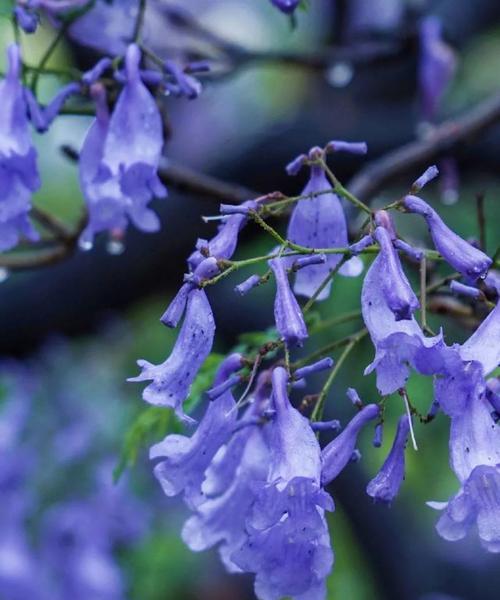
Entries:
{"x":342,"y":191}
{"x":345,"y":318}
{"x":139,"y":21}
{"x":317,"y":412}
{"x":47,"y":54}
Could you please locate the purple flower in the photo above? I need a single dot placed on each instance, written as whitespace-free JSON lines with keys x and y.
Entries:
{"x":319,"y":222}
{"x":206,"y":269}
{"x":26,"y":19}
{"x":436,"y":66}
{"x":18,"y":170}
{"x":286,"y":6}
{"x":185,"y":460}
{"x":474,"y":437}
{"x":287,"y":314}
{"x":223,"y":244}
{"x":384,"y":487}
{"x":171,"y":380}
{"x":337,"y":454}
{"x":234,"y":477}
{"x":400,"y":297}
{"x":462,"y":256}
{"x":397,"y":343}
{"x":288,"y":546}
{"x":120,"y":156}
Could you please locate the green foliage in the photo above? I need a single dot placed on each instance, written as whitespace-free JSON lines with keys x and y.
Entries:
{"x":6,"y":8}
{"x":155,"y":422}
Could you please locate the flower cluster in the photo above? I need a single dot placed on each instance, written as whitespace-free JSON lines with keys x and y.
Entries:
{"x":253,"y":473}
{"x":121,"y":153}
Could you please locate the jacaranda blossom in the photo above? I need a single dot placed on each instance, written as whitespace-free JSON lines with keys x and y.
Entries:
{"x":288,"y":546}
{"x":397,"y":343}
{"x":120,"y":156}
{"x":384,"y":487}
{"x":462,"y":256}
{"x":319,"y":222}
{"x":474,"y":438}
{"x":171,"y":380}
{"x":286,"y":6}
{"x":18,"y":161}
{"x":337,"y":454}
{"x":184,"y":460}
{"x":287,"y":313}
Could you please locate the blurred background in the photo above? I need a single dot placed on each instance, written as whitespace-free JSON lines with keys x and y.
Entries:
{"x":71,"y":333}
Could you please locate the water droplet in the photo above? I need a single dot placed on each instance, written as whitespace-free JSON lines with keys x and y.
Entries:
{"x":115,"y":247}
{"x":4,"y":274}
{"x":85,"y":245}
{"x":340,"y":74}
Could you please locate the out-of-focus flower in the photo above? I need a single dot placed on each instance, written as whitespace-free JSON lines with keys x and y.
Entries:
{"x":18,"y":169}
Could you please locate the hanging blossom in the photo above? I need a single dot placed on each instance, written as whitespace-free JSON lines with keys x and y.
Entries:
{"x":319,"y":222}
{"x":469,"y":399}
{"x":384,"y":487}
{"x":288,"y":546}
{"x":231,"y":484}
{"x":287,"y":313}
{"x":185,"y":460}
{"x":172,"y":379}
{"x":462,"y":256}
{"x":385,"y":297}
{"x":120,"y":156}
{"x":19,"y":177}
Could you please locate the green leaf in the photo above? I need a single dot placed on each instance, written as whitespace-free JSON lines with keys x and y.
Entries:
{"x":6,"y":8}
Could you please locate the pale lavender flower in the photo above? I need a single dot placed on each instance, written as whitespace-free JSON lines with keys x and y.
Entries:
{"x":337,"y":454}
{"x":397,"y":343}
{"x":120,"y":156}
{"x":474,"y":438}
{"x":287,"y":314}
{"x":462,"y":256}
{"x":18,"y":169}
{"x":171,"y":380}
{"x":232,"y":481}
{"x":396,"y":288}
{"x":288,"y":546}
{"x":384,"y":487}
{"x":319,"y":222}
{"x":185,"y":459}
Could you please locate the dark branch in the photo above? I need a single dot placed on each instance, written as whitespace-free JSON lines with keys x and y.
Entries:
{"x":444,"y":138}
